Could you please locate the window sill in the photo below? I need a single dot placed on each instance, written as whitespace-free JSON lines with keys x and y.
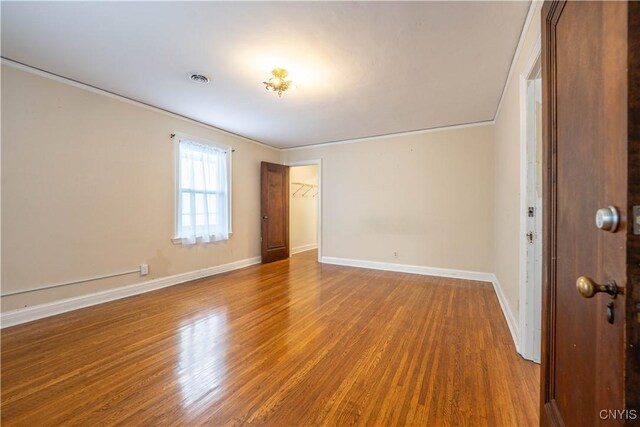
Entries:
{"x":178,"y":240}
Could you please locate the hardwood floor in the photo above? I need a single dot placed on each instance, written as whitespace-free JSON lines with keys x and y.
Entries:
{"x":288,"y":343}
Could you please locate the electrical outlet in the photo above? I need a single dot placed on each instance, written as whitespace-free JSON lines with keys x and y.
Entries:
{"x":395,"y":254}
{"x":144,"y":269}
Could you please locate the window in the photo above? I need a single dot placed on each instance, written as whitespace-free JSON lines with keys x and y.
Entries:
{"x":203,"y":192}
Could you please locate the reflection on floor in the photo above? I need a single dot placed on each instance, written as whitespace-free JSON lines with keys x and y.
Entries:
{"x":289,"y":343}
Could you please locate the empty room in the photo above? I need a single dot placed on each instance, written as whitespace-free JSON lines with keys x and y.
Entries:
{"x":293,"y":213}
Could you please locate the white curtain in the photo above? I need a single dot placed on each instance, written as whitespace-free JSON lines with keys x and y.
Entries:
{"x":203,"y":193}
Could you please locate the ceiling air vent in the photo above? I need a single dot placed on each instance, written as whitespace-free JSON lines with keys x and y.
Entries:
{"x":199,"y":78}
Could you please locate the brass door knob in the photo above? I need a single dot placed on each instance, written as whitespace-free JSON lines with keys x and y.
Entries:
{"x":588,"y":288}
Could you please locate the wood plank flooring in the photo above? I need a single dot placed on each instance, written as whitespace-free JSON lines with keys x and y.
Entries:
{"x":288,"y":343}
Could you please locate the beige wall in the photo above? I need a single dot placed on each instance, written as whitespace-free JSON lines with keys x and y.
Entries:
{"x":507,"y":174}
{"x":88,"y":189}
{"x":428,"y":196}
{"x":303,"y":222}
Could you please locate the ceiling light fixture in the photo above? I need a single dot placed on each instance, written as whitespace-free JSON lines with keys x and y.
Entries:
{"x":278,"y":82}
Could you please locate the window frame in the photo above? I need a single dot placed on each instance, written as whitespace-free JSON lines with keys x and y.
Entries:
{"x":176,"y":138}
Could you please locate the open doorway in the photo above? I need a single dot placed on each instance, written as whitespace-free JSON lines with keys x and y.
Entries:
{"x":531,"y":211}
{"x":304,"y":207}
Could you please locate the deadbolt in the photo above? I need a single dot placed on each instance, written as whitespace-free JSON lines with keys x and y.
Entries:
{"x":588,"y":288}
{"x":607,"y":219}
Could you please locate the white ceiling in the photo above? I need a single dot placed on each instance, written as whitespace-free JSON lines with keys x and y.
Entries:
{"x":363,"y":68}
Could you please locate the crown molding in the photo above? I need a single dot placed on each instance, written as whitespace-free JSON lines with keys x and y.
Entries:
{"x":71,"y":82}
{"x":78,"y":84}
{"x":525,"y":29}
{"x":391,"y":135}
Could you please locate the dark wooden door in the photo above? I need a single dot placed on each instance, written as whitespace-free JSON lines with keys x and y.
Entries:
{"x":586,"y":164}
{"x":275,"y":211}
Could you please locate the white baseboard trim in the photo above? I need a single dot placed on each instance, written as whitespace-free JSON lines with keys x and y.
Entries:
{"x":508,"y":314}
{"x":304,"y":248}
{"x":27,"y":314}
{"x":439,"y":272}
{"x":414,"y":269}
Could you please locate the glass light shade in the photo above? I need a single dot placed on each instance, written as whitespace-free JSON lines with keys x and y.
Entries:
{"x":278,"y":83}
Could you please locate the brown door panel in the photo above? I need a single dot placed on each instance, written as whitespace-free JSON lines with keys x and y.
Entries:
{"x":274,"y":211}
{"x":585,"y":90}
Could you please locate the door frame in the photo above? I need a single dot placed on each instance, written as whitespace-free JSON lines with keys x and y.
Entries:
{"x":528,"y":303}
{"x":318,"y":163}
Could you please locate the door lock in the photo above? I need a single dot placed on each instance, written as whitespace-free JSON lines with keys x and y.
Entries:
{"x":608,"y":218}
{"x":610,"y":317}
{"x":530,"y":236}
